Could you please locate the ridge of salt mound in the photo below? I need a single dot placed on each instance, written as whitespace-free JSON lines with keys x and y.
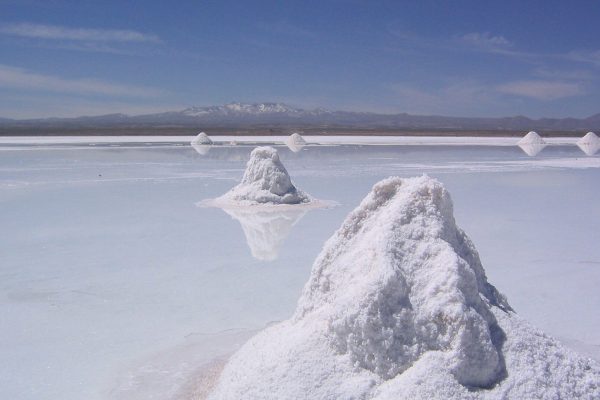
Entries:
{"x":398,"y":306}
{"x":295,"y":142}
{"x":531,"y":138}
{"x":265,"y":181}
{"x":202,"y":139}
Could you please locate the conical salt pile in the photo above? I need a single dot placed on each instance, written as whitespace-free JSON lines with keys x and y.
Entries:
{"x":265,"y":181}
{"x":531,"y":138}
{"x":589,"y":144}
{"x":202,"y":139}
{"x":295,"y":142}
{"x":398,"y":307}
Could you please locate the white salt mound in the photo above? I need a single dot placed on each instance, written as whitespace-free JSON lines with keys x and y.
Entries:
{"x":202,"y":138}
{"x":531,"y":138}
{"x":589,"y":144}
{"x":589,"y":138}
{"x":295,"y":142}
{"x":265,"y":181}
{"x":398,"y":307}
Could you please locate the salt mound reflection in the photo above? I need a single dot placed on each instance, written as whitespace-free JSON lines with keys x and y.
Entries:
{"x":266,"y":229}
{"x":532,"y":149}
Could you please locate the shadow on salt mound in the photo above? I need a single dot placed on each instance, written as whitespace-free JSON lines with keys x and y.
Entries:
{"x":398,"y":306}
{"x":589,"y":144}
{"x":266,"y":230}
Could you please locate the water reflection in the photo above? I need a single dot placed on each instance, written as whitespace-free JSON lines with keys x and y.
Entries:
{"x":532,"y":149}
{"x":266,"y":229}
{"x":590,"y":148}
{"x":202,"y":149}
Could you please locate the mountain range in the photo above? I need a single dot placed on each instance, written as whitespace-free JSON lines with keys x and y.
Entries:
{"x":282,"y":115}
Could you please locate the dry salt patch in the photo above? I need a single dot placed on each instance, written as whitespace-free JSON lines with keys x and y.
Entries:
{"x":398,"y":306}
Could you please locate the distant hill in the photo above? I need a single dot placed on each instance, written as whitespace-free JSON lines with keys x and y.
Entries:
{"x":282,"y":115}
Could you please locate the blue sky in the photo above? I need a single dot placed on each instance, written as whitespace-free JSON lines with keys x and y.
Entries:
{"x":461,"y":58}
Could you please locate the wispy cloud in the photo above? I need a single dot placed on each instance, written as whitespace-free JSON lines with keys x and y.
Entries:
{"x":55,"y":32}
{"x":563,"y":74}
{"x":22,"y":79}
{"x":542,"y":90}
{"x":586,"y":56}
{"x":485,"y":41}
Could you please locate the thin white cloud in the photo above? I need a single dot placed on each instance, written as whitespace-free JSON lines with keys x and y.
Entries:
{"x":55,"y":32}
{"x":22,"y":79}
{"x":563,"y":74}
{"x":541,"y":90}
{"x":586,"y":56}
{"x":485,"y":40}
{"x":26,"y":106}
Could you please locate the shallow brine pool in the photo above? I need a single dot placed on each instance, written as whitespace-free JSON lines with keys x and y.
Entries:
{"x":114,"y":284}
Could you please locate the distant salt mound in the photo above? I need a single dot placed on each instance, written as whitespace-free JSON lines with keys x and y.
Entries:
{"x":531,"y":138}
{"x":265,"y":181}
{"x":202,"y":139}
{"x":589,"y":144}
{"x":398,"y":307}
{"x":532,"y":144}
{"x":295,"y":142}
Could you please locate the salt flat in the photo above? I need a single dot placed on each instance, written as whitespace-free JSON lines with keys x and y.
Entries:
{"x":112,"y":277}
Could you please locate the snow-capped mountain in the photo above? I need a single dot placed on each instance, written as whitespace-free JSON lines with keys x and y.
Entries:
{"x":263,"y":115}
{"x":243,"y":109}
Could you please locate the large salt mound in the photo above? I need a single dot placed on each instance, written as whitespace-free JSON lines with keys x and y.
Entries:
{"x":398,"y":307}
{"x":265,"y":181}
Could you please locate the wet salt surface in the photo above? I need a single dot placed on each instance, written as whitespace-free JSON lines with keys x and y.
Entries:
{"x":111,"y":277}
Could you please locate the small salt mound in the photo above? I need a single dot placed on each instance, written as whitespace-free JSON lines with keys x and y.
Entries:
{"x":531,"y":138}
{"x":295,"y":142}
{"x":202,"y":139}
{"x":589,"y":144}
{"x":265,"y":181}
{"x":398,"y":307}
